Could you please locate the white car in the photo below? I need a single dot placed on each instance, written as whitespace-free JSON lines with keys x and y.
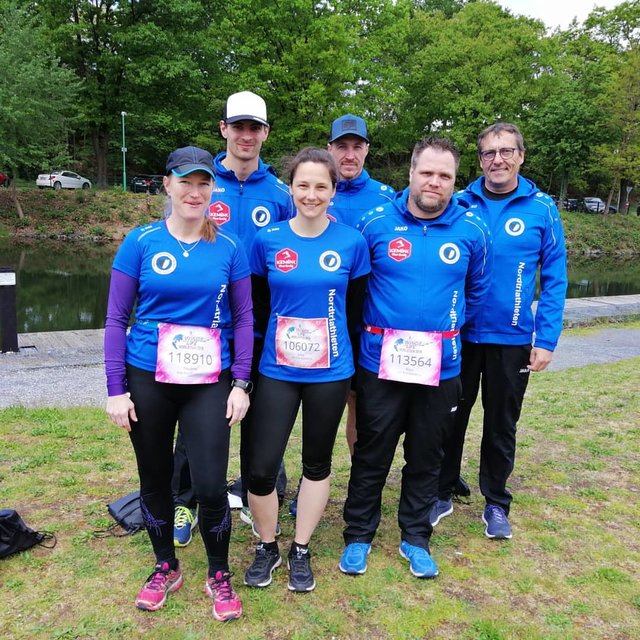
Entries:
{"x":62,"y":180}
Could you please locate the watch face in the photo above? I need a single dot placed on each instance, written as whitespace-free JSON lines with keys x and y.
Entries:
{"x":245,"y":385}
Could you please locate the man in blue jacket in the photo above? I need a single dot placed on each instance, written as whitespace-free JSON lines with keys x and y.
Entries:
{"x":356,"y":193}
{"x":430,"y":269}
{"x":247,"y":196}
{"x":504,"y":342}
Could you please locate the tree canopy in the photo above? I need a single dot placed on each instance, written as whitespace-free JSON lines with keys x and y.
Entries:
{"x":411,"y":68}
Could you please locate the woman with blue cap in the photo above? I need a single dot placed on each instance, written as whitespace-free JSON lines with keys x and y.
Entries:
{"x":174,"y":365}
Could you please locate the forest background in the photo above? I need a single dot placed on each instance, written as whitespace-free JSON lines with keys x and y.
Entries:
{"x":411,"y":68}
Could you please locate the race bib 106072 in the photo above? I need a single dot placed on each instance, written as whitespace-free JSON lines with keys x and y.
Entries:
{"x":302,"y":342}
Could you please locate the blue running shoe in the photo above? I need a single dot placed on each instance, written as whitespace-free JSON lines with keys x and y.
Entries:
{"x":497,"y":523}
{"x":441,"y":509}
{"x":184,"y":522}
{"x":420,"y":562}
{"x":354,"y":558}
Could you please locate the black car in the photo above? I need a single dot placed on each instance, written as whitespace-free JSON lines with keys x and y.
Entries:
{"x":146,"y":184}
{"x":571,"y":204}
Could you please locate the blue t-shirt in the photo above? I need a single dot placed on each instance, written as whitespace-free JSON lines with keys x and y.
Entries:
{"x":308,"y":278}
{"x":190,"y":291}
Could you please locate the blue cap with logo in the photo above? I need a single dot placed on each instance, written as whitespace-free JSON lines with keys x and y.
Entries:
{"x":348,"y":125}
{"x":189,"y":159}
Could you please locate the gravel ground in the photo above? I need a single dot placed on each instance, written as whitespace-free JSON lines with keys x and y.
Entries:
{"x":65,"y":369}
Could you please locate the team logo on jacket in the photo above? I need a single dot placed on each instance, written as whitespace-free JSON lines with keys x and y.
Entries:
{"x":286,"y":260}
{"x":514,"y":227}
{"x":219,"y":212}
{"x":449,"y":253}
{"x":399,"y":249}
{"x":261,"y":216}
{"x":163,"y":263}
{"x":330,"y":261}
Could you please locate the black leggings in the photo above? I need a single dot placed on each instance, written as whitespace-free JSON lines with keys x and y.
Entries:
{"x":201,"y":410}
{"x":274,"y":414}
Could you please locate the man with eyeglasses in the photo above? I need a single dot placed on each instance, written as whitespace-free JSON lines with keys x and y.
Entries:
{"x":504,"y":341}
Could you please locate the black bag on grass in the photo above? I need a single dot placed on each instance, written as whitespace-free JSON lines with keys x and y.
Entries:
{"x":127,"y":514}
{"x":16,"y":536}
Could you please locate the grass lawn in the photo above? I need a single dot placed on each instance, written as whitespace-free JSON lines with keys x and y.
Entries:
{"x":570,"y":572}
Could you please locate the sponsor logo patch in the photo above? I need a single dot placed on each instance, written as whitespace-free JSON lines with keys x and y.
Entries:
{"x":399,"y":249}
{"x":219,"y":212}
{"x":286,"y":260}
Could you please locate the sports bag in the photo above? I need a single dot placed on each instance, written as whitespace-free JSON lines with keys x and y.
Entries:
{"x":127,"y":514}
{"x":16,"y":536}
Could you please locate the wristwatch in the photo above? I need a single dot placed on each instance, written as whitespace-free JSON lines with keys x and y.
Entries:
{"x":245,"y":385}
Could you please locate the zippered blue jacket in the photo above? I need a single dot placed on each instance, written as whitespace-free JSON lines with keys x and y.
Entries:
{"x":245,"y":207}
{"x":527,"y":234}
{"x":355,"y":197}
{"x":426,"y":275}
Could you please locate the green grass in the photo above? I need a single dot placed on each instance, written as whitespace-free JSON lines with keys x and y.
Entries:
{"x":569,"y":573}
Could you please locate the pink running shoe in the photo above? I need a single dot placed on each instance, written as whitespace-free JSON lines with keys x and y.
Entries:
{"x":153,"y":594}
{"x":226,"y":603}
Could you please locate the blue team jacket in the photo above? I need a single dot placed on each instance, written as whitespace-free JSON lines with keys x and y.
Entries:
{"x":527,"y":234}
{"x":245,"y":207}
{"x":355,"y":197}
{"x":426,"y":275}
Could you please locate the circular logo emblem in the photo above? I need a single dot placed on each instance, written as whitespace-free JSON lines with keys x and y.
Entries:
{"x":449,"y":253}
{"x":163,"y":263}
{"x":514,"y":227}
{"x":330,"y":261}
{"x":261,"y":216}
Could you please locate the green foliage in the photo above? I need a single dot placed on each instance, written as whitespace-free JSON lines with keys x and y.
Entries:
{"x":36,"y":94}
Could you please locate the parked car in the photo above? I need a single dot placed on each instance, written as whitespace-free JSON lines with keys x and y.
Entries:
{"x":62,"y":180}
{"x":592,"y":205}
{"x":5,"y":180}
{"x":570,"y":204}
{"x":146,"y":184}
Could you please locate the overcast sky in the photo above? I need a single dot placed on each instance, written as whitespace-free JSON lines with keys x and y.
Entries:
{"x":556,"y":13}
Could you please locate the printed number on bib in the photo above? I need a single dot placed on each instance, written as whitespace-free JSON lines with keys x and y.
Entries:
{"x":302,"y":342}
{"x":188,"y":355}
{"x":411,"y":356}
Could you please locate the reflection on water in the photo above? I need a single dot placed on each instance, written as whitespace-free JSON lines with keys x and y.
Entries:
{"x":60,"y":285}
{"x":63,"y":286}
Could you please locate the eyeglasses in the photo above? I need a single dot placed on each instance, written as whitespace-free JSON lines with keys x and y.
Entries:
{"x":506,"y":153}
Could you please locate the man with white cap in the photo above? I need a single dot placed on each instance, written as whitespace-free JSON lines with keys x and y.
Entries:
{"x":247,"y":196}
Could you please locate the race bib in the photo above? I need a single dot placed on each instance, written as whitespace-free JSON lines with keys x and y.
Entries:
{"x":188,"y":355}
{"x":411,"y":356}
{"x":302,"y":342}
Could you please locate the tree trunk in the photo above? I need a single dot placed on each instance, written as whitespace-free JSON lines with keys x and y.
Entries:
{"x":100,"y":147}
{"x":13,"y":190}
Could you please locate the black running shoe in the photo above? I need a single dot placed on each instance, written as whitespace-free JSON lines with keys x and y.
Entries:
{"x":300,"y":574}
{"x":260,"y":573}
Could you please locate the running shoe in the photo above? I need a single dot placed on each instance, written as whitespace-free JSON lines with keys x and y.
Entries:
{"x":354,"y":558}
{"x":497,"y":523}
{"x":300,"y":575}
{"x":260,"y":573}
{"x":185,"y":521}
{"x":226,"y":603}
{"x":421,"y":563}
{"x":247,"y":518}
{"x":441,"y":509}
{"x":153,"y":594}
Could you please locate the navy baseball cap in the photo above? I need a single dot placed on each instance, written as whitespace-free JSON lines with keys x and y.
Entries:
{"x":348,"y":125}
{"x":189,"y":159}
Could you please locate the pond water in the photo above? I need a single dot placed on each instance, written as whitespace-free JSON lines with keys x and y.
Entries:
{"x":63,"y":286}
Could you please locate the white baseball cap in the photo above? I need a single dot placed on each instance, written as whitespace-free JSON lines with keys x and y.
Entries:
{"x":246,"y":105}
